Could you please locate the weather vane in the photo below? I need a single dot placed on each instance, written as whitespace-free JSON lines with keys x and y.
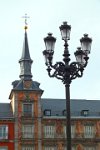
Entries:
{"x":26,"y":17}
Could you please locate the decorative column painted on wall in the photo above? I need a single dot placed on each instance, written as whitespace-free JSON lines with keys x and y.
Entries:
{"x":79,"y":129}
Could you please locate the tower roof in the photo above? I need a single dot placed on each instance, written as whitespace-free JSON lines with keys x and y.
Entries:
{"x":25,"y":61}
{"x":26,"y":82}
{"x":25,"y":51}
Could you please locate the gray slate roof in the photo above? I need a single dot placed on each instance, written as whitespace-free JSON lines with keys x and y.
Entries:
{"x":18,"y":85}
{"x":5,"y":111}
{"x":57,"y":106}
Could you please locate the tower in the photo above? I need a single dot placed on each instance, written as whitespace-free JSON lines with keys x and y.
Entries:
{"x":25,"y":100}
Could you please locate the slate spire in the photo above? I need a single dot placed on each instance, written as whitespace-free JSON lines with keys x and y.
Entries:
{"x":25,"y":61}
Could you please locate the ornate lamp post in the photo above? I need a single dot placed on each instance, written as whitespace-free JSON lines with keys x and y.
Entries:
{"x":64,"y":70}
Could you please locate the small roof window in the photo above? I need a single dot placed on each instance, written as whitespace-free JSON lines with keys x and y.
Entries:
{"x":85,"y":112}
{"x":64,"y":112}
{"x":47,"y":112}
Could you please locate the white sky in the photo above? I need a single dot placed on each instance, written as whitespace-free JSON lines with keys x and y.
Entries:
{"x":46,"y":16}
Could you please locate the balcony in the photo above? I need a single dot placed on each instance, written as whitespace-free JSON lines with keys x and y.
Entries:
{"x":27,"y":135}
{"x":75,"y":137}
{"x":27,"y":114}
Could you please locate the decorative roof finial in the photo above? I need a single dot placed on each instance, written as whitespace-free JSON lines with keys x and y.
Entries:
{"x":26,"y":24}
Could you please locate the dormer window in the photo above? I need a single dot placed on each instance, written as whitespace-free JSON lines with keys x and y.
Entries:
{"x":85,"y":112}
{"x":47,"y":112}
{"x":64,"y":112}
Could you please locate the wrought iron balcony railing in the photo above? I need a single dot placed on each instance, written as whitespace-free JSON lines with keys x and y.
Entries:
{"x":28,"y":135}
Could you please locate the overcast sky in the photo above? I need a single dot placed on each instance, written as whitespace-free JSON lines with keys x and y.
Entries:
{"x":46,"y":16}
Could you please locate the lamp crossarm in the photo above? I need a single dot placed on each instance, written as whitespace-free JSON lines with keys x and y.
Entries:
{"x":64,"y":72}
{"x":76,"y":70}
{"x":58,"y":69}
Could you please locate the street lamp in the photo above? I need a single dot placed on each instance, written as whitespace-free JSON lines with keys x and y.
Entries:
{"x":64,"y":70}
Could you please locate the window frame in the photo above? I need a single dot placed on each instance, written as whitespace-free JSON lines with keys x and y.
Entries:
{"x":90,"y":131}
{"x":89,"y":147}
{"x":27,"y":147}
{"x":3,"y":148}
{"x":47,"y":112}
{"x":64,"y":112}
{"x":27,"y":113}
{"x":73,"y":126}
{"x":85,"y":112}
{"x":26,"y":132}
{"x":50,"y":147}
{"x":49,"y":130}
{"x":4,"y":134}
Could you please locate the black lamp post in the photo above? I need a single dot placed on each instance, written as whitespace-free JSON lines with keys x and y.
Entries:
{"x":64,"y":70}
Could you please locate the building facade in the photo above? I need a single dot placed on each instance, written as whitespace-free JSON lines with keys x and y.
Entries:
{"x":30,"y":122}
{"x":6,"y":127}
{"x":85,"y":124}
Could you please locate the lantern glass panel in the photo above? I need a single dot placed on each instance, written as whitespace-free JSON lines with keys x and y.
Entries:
{"x":50,"y":45}
{"x":65,"y":33}
{"x":86,"y":46}
{"x":80,"y":59}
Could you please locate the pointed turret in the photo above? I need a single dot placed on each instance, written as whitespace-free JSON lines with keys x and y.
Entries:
{"x":26,"y":82}
{"x":25,"y":61}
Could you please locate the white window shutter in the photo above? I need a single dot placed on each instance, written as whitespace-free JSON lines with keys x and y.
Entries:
{"x":6,"y":132}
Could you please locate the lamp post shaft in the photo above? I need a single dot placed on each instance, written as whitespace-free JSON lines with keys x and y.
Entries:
{"x":68,"y":118}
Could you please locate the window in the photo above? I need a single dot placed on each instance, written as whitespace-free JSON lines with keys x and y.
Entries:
{"x":3,"y":132}
{"x":73,"y":148}
{"x":27,"y":109}
{"x":89,"y":148}
{"x":72,"y":130}
{"x":89,"y":131}
{"x":50,"y":148}
{"x":64,"y":112}
{"x":49,"y":131}
{"x":28,"y":148}
{"x":3,"y":148}
{"x":85,"y":113}
{"x":27,"y":131}
{"x":47,"y":112}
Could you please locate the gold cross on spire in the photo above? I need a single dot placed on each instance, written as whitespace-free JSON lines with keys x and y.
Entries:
{"x":26,"y":17}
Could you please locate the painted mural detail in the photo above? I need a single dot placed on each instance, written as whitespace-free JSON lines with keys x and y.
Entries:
{"x":79,"y":147}
{"x":98,"y":129}
{"x":27,"y":84}
{"x":21,"y":96}
{"x":59,"y":128}
{"x":79,"y":129}
{"x":60,"y":146}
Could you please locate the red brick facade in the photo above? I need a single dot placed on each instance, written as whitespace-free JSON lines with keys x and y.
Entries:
{"x":7,"y":142}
